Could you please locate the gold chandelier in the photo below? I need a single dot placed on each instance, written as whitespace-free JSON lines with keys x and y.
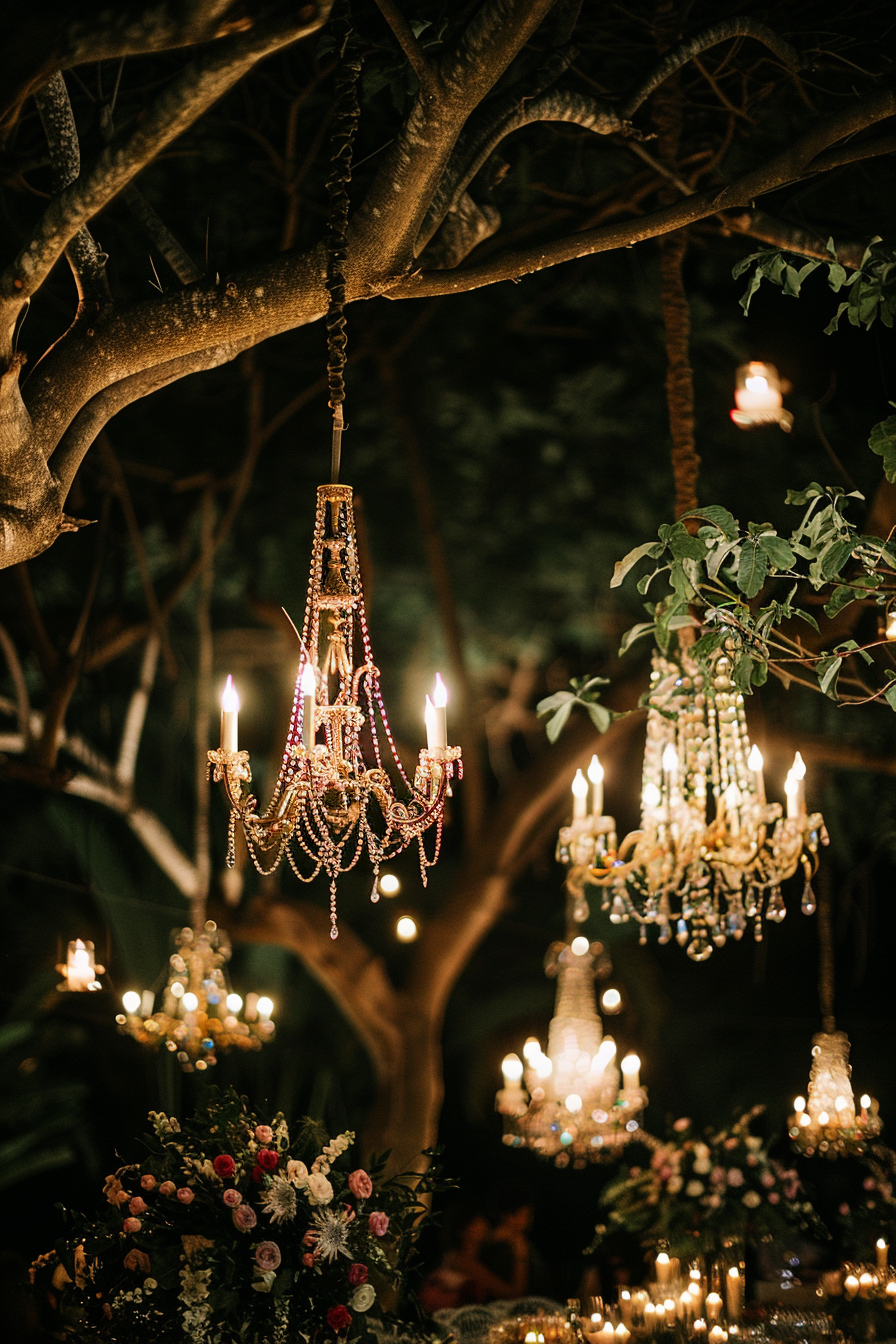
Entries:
{"x":711,"y":852}
{"x":567,"y":1103}
{"x":200,"y":1016}
{"x":826,"y":1121}
{"x":334,"y":800}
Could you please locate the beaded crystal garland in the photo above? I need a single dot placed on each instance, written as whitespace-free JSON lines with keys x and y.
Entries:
{"x":334,"y":799}
{"x":826,"y":1121}
{"x":711,"y":852}
{"x":567,"y":1104}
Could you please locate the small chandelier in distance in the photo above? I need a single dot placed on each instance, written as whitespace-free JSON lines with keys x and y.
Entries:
{"x":80,"y":970}
{"x":200,"y":1015}
{"x":711,"y":852}
{"x":567,"y":1103}
{"x":825,"y":1121}
{"x":334,"y":799}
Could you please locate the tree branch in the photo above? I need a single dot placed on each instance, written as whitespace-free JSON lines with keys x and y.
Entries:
{"x":23,"y":704}
{"x":426,"y":75}
{"x":790,"y":238}
{"x":88,"y":263}
{"x":177,"y":108}
{"x":711,"y":37}
{"x":136,"y":716}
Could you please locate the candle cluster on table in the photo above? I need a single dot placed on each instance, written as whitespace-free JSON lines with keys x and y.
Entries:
{"x":877,"y":1280}
{"x":199,"y":1016}
{"x":80,"y":969}
{"x":569,"y":1103}
{"x":827,"y":1121}
{"x":686,"y":1299}
{"x":758,"y":398}
{"x":334,"y":799}
{"x":711,"y":851}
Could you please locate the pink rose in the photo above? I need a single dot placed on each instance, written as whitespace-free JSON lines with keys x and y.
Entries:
{"x":232,"y":1198}
{"x":310,"y":1238}
{"x":869,"y":1183}
{"x":773,"y":1197}
{"x":378,"y":1224}
{"x":791,"y":1190}
{"x":715,"y":1201}
{"x":185,"y":1195}
{"x":844,"y":1210}
{"x":681,"y":1125}
{"x":267,"y":1256}
{"x":148,"y":1182}
{"x":717,"y":1175}
{"x":264,"y":1133}
{"x":137,"y":1205}
{"x":731,"y":1143}
{"x":167,"y":1188}
{"x":244,"y":1217}
{"x":132,"y":1225}
{"x":360,"y":1184}
{"x":308,"y":1260}
{"x":767,"y":1179}
{"x":357,"y":1274}
{"x":752,"y":1160}
{"x":735,"y":1176}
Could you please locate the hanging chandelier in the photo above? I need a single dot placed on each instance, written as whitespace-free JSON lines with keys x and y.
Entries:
{"x":826,"y":1121}
{"x":567,"y":1104}
{"x":200,"y":1016}
{"x":711,"y":852}
{"x":334,"y":798}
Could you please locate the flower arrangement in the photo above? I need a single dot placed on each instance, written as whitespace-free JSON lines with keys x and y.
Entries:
{"x":236,"y":1229}
{"x":700,"y":1193}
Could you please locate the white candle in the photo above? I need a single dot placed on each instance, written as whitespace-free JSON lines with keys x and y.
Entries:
{"x":754,"y":764}
{"x":663,"y":1267}
{"x":230,"y":710}
{"x":78,"y":970}
{"x":734,"y":1290}
{"x":757,"y":394}
{"x":631,"y":1067}
{"x":512,"y":1069}
{"x":429,"y":719}
{"x":733,"y":799}
{"x":308,"y":688}
{"x":883,"y":1253}
{"x":596,"y":775}
{"x":850,"y":1286}
{"x":440,"y":709}
{"x":795,"y":787}
{"x":579,"y":797}
{"x":713,"y":1306}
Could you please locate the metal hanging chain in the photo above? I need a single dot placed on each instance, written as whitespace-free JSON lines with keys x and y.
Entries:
{"x":345,"y":126}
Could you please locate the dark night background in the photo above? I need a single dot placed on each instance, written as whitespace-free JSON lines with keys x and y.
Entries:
{"x":541,"y":418}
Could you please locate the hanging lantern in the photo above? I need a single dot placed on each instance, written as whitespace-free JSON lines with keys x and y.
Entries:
{"x":79,"y":971}
{"x":826,"y":1121}
{"x":758,"y":398}
{"x":711,"y":852}
{"x":200,"y":1016}
{"x":568,"y":1104}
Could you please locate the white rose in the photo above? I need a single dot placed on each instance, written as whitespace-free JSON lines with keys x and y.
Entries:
{"x":320,"y":1191}
{"x":694,"y":1188}
{"x":701,"y":1151}
{"x":674,"y":1184}
{"x":363,"y":1297}
{"x":296,"y":1172}
{"x":754,"y":1143}
{"x":702,"y":1166}
{"x":752,"y":1199}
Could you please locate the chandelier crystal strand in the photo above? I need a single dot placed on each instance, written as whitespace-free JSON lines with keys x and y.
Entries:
{"x":711,"y":852}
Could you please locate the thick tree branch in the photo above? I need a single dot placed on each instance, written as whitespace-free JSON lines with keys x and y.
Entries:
{"x":177,"y":108}
{"x":88,"y":263}
{"x":793,"y":165}
{"x":711,"y":37}
{"x":791,"y":238}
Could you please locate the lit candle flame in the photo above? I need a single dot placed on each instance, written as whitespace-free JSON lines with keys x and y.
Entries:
{"x":754,"y":760}
{"x":230,"y":701}
{"x":595,"y":770}
{"x":440,"y":694}
{"x":308,"y":681}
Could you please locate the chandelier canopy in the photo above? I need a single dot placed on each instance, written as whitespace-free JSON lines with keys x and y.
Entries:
{"x":711,"y":852}
{"x":199,"y":1015}
{"x":334,"y":799}
{"x":567,"y":1104}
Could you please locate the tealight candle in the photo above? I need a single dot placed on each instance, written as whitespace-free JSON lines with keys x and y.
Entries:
{"x":699,"y":1326}
{"x":79,"y":973}
{"x":850,"y":1286}
{"x":713,"y":1306}
{"x":866,"y":1283}
{"x":718,"y":1335}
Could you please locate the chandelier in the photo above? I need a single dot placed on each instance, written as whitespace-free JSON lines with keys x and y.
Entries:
{"x":826,"y":1121}
{"x":711,"y":852}
{"x":334,"y":800}
{"x":567,"y":1104}
{"x":199,"y":1015}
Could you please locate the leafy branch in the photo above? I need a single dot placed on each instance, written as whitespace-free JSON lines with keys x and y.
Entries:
{"x":585,"y":693}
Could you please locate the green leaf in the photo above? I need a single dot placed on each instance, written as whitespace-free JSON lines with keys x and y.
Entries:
{"x":683,"y":546}
{"x":832,"y":325}
{"x":841,"y":597}
{"x":827,"y":670}
{"x":778,"y":550}
{"x":718,"y":517}
{"x":717,"y":557}
{"x":554,"y":726}
{"x":883,"y":442}
{"x":636,"y":632}
{"x":813,"y":491}
{"x":600,"y":716}
{"x":743,"y":673}
{"x":835,"y":557}
{"x":890,"y":692}
{"x":552,"y":702}
{"x":752,"y":569}
{"x":623,"y":566}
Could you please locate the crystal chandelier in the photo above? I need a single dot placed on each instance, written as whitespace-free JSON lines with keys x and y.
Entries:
{"x":80,"y":969}
{"x":199,"y":1015}
{"x":334,"y":800}
{"x":826,"y":1121}
{"x":711,"y":852}
{"x":567,"y":1103}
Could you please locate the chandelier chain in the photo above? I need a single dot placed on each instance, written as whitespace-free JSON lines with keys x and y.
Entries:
{"x":345,"y":126}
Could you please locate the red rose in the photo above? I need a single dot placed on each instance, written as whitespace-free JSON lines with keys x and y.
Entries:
{"x":267,"y":1159}
{"x":225,"y":1166}
{"x":357,"y":1274}
{"x":257,"y":1175}
{"x":339,"y":1318}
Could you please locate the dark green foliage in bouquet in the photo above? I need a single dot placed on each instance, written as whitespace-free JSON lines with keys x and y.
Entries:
{"x":238,"y":1229}
{"x":701,"y":1193}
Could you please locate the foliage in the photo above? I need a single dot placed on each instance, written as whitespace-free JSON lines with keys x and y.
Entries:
{"x":872,"y":287}
{"x":585,"y":693}
{"x":699,"y":1194}
{"x":231,"y":1229}
{"x":716,"y":576}
{"x":869,"y":1212}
